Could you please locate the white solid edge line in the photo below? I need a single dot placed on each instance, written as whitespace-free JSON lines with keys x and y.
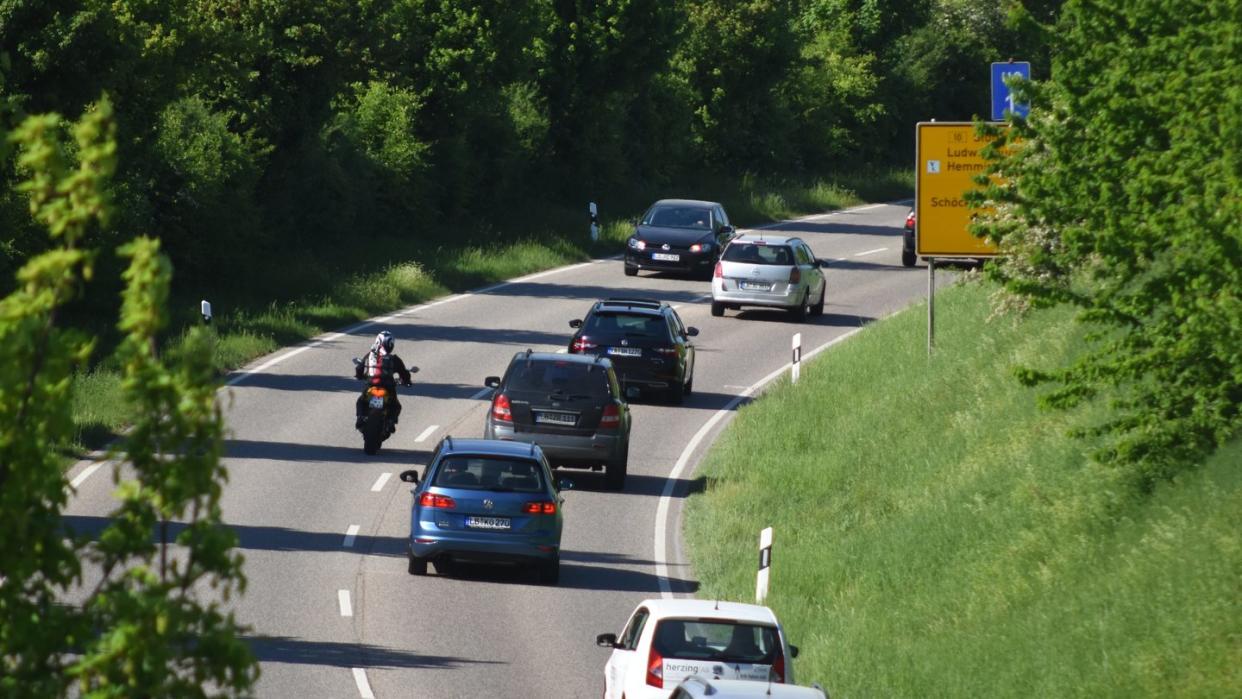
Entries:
{"x":86,"y":473}
{"x":364,"y":687}
{"x":869,"y":252}
{"x":350,"y":534}
{"x":480,"y":394}
{"x":380,"y":482}
{"x":662,"y":509}
{"x":422,"y":436}
{"x":342,"y":596}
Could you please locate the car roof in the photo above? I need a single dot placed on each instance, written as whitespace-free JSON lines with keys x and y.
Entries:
{"x":765,"y":238}
{"x":705,"y":608}
{"x":686,"y":202}
{"x":488,"y":447}
{"x":639,"y":305}
{"x":558,"y":357}
{"x":740,"y":689}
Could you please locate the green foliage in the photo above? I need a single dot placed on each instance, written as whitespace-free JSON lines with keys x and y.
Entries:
{"x":938,"y":535}
{"x":1122,"y":201}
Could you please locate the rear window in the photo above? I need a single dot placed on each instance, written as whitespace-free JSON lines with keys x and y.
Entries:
{"x":489,"y":473}
{"x":754,"y":254}
{"x":608,"y":327}
{"x":558,"y":376}
{"x":717,"y":640}
{"x":678,"y":217}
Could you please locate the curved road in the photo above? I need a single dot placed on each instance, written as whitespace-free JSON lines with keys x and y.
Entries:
{"x":322,"y":526}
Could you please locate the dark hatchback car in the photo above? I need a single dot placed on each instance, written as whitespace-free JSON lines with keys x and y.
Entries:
{"x":909,"y":255}
{"x":679,"y":235}
{"x":572,"y":407}
{"x":486,"y":501}
{"x":646,"y":341}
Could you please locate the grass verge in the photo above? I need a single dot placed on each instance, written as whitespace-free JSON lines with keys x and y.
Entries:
{"x":937,"y":534}
{"x":318,"y":295}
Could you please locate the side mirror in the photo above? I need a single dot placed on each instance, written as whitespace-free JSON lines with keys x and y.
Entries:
{"x":793,"y":651}
{"x":410,"y":476}
{"x":575,"y":323}
{"x":726,"y":229}
{"x":357,"y":361}
{"x":564,"y":484}
{"x":821,"y":262}
{"x":692,"y":331}
{"x":492,"y":382}
{"x":606,"y":640}
{"x":412,"y":369}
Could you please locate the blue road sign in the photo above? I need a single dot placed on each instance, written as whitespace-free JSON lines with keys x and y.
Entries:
{"x":1002,"y":98}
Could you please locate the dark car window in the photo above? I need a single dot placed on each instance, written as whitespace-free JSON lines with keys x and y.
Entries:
{"x":678,"y":217}
{"x":557,"y":375}
{"x":724,"y":641}
{"x":490,"y":473}
{"x":606,"y":327}
{"x":629,"y":637}
{"x":755,"y":254}
{"x":804,"y":255}
{"x":722,"y":218}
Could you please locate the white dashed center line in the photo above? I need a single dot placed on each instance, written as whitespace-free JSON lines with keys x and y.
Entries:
{"x":379,"y":482}
{"x":431,"y":429}
{"x":350,"y":534}
{"x":86,"y":473}
{"x":364,"y":687}
{"x":343,"y":597}
{"x":870,"y":252}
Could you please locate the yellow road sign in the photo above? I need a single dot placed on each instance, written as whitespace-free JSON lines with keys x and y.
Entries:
{"x":948,"y":157}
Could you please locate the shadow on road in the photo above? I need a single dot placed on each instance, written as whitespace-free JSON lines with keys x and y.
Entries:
{"x":576,"y":576}
{"x":294,"y":451}
{"x":831,"y":227}
{"x":282,"y":649}
{"x":587,"y":294}
{"x":765,"y":315}
{"x":593,"y":481}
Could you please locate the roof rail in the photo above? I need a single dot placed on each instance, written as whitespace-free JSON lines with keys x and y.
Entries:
{"x":633,"y":301}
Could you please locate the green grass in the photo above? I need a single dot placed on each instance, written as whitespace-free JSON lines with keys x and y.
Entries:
{"x":316,"y":297}
{"x":939,"y":535}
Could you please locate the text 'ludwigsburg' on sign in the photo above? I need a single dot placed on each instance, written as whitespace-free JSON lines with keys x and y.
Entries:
{"x":949,"y":156}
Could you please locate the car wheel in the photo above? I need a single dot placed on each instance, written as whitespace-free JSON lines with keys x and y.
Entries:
{"x":717,"y":309}
{"x":677,"y":394}
{"x":615,"y":470}
{"x":630,"y":271}
{"x":689,"y":386}
{"x":444,"y":565}
{"x":550,"y":570}
{"x":418,"y":566}
{"x":818,"y":308}
{"x":800,"y":311}
{"x":908,"y":258}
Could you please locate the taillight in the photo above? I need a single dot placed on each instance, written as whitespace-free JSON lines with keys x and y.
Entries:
{"x":500,"y":408}
{"x":795,"y":275}
{"x":778,"y":669}
{"x":719,"y":271}
{"x":442,"y":502}
{"x":539,"y":508}
{"x":611,"y":417}
{"x":666,"y":351}
{"x":910,"y":221}
{"x":378,"y":392}
{"x":655,"y":669}
{"x":582,"y":344}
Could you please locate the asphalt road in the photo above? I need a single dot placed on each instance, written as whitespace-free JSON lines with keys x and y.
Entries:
{"x":322,"y":525}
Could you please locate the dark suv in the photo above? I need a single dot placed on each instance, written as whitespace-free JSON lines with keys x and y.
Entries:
{"x":572,"y":407}
{"x":646,"y":341}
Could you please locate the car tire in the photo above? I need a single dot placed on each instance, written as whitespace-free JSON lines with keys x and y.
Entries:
{"x":818,"y":309}
{"x":444,"y":565}
{"x":631,"y":271}
{"x":614,"y":472}
{"x":908,"y":258}
{"x":550,"y":570}
{"x":717,"y":309}
{"x":799,"y":312}
{"x":418,"y":566}
{"x":689,"y":386}
{"x":677,"y":394}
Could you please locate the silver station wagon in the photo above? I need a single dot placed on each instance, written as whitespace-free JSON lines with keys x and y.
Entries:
{"x":769,"y":271}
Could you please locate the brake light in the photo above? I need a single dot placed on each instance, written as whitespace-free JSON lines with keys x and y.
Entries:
{"x":433,"y":500}
{"x":778,"y":669}
{"x":539,"y":508}
{"x":378,"y":392}
{"x":582,"y":344}
{"x":611,"y":417}
{"x":655,"y":669}
{"x":719,"y":271}
{"x":500,"y":408}
{"x":795,"y":275}
{"x":910,"y":221}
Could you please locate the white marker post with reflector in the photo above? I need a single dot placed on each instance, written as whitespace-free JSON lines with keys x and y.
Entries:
{"x":765,"y":562}
{"x":205,"y":309}
{"x":593,"y":210}
{"x":795,"y":368}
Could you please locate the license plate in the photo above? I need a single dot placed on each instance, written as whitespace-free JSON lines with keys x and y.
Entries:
{"x":556,"y":418}
{"x":625,"y":351}
{"x":755,"y":286}
{"x":377,"y":402}
{"x":665,"y":257}
{"x":488,"y":522}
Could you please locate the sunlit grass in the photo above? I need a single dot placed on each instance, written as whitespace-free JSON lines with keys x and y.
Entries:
{"x":939,"y":535}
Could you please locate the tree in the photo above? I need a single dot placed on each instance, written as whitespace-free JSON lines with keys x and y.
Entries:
{"x":1122,"y":200}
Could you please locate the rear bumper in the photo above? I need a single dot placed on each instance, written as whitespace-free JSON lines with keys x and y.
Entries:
{"x":789,"y":297}
{"x":563,"y":449}
{"x":426,"y":545}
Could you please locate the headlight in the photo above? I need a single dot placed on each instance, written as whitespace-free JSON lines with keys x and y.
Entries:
{"x":701,"y":247}
{"x":638,"y":244}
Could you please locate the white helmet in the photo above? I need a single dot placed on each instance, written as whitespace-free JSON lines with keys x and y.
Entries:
{"x":385,"y":341}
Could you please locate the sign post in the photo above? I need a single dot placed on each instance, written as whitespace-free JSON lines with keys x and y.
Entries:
{"x":1002,"y":95}
{"x":795,"y":367}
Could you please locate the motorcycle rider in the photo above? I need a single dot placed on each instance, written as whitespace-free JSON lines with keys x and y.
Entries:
{"x":377,"y":369}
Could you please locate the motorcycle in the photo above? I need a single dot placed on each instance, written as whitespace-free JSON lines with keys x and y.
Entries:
{"x":377,"y":422}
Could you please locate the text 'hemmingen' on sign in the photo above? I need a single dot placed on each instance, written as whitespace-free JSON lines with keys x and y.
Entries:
{"x":949,"y":156}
